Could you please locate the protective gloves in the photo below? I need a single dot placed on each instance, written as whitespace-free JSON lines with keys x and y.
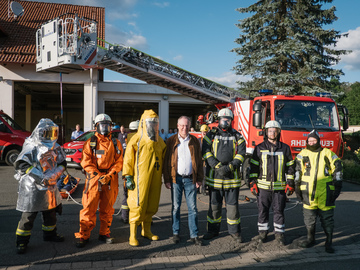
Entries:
{"x":253,"y":188}
{"x":298,"y":192}
{"x":224,"y":170}
{"x":289,"y":190}
{"x":130,"y":184}
{"x":51,"y":176}
{"x":105,"y":179}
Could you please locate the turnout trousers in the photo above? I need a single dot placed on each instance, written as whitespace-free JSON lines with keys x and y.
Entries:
{"x":276,"y":199}
{"x":26,"y":223}
{"x":214,"y":216}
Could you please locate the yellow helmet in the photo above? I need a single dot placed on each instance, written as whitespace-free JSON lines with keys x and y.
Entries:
{"x":204,"y":128}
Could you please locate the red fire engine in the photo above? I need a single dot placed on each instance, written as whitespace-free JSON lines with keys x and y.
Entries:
{"x":297,"y":115}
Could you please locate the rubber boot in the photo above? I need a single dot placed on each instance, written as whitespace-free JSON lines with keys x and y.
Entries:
{"x":133,"y":231}
{"x":146,"y":231}
{"x":328,"y":243}
{"x":310,"y":241}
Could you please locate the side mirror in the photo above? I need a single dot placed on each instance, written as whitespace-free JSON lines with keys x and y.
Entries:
{"x":257,"y":119}
{"x":257,"y":106}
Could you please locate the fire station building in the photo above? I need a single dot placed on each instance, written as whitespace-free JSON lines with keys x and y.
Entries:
{"x":77,"y":97}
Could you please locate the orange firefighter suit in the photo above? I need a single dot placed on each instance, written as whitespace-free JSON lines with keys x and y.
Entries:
{"x":99,"y":157}
{"x":143,"y":162}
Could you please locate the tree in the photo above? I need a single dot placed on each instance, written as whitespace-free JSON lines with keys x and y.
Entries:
{"x":352,"y":101}
{"x":283,"y":46}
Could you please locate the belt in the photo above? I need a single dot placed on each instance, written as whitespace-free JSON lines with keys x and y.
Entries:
{"x":184,"y":176}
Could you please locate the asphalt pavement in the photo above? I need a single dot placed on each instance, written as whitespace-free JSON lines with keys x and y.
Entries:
{"x":221,"y":252}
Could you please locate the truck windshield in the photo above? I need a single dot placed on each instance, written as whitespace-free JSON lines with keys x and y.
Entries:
{"x":306,"y":115}
{"x":11,"y":122}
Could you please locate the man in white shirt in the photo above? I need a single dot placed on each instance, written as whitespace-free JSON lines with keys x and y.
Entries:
{"x":77,"y":132}
{"x":183,"y":172}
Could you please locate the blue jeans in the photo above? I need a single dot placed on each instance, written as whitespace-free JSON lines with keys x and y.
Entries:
{"x":186,"y":185}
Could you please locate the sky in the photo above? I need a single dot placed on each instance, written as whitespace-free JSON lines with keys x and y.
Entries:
{"x":197,"y":35}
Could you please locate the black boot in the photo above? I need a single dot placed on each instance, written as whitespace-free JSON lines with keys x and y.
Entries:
{"x":52,"y":236}
{"x":21,"y":243}
{"x":328,"y":243}
{"x":310,"y":241}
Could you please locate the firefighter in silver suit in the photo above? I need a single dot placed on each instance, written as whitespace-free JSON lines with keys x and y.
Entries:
{"x":37,"y":168}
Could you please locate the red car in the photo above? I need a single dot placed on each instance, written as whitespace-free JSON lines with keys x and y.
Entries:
{"x":12,"y":137}
{"x":73,"y":149}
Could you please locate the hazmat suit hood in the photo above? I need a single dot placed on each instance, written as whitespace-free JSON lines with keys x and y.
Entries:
{"x":149,"y":126}
{"x":45,"y":133}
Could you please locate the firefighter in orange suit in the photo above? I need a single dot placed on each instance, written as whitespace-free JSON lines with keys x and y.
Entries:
{"x":142,"y":172}
{"x":102,"y":160}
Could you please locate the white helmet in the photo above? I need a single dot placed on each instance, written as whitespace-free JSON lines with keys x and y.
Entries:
{"x":226,"y":113}
{"x":102,"y":117}
{"x":272,"y":124}
{"x":134,"y":125}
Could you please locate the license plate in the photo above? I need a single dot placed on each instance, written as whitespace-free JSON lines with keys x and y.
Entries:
{"x":68,"y":159}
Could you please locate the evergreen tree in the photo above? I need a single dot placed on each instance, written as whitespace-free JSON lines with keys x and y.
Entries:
{"x":283,"y":46}
{"x":352,"y":101}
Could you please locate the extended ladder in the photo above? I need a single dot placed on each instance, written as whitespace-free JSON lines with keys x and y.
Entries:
{"x":75,"y":39}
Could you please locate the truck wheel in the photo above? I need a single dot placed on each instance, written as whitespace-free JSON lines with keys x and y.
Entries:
{"x":246,"y":170}
{"x":11,"y":156}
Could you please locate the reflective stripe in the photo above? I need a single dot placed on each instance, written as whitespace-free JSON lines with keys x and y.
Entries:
{"x":214,"y":220}
{"x":215,"y":146}
{"x":290,"y":163}
{"x":279,"y":228}
{"x":48,"y":228}
{"x":221,"y":183}
{"x":239,"y":157}
{"x":240,"y":141}
{"x":334,"y":157}
{"x":280,"y":167}
{"x":233,"y":222}
{"x":263,"y":226}
{"x":290,"y":177}
{"x":207,"y":140}
{"x":255,"y":162}
{"x":252,"y":175}
{"x":124,"y":207}
{"x":271,"y":185}
{"x":207,"y":155}
{"x":29,"y":169}
{"x":299,"y":156}
{"x":22,"y":232}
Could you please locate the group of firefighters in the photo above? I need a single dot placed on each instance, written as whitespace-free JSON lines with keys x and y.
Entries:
{"x":315,"y":176}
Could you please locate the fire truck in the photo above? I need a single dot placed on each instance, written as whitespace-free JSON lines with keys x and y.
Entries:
{"x":297,"y":115}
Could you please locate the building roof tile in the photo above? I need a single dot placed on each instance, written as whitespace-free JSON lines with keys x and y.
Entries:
{"x":18,"y":35}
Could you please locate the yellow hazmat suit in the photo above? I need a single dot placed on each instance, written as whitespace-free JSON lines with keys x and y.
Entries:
{"x":143,"y":160}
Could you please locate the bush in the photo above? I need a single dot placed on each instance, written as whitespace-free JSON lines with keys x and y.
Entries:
{"x":351,"y":170}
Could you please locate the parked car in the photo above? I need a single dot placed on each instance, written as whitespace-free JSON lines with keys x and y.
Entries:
{"x":12,"y":137}
{"x":73,"y":149}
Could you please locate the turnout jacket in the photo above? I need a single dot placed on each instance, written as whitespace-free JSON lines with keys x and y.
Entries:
{"x":272,"y":166}
{"x":221,"y":148}
{"x":318,"y":178}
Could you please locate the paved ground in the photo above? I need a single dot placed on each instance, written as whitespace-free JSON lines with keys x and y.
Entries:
{"x":219,"y":253}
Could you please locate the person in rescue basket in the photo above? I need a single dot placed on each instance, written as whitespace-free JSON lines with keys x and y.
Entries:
{"x":318,"y":183}
{"x":183,"y":173}
{"x":223,"y":150}
{"x":271,"y":179}
{"x":38,"y":167}
{"x":102,"y":160}
{"x":142,"y":172}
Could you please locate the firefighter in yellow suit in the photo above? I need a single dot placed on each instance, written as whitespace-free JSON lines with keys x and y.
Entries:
{"x":318,"y":183}
{"x":142,"y":172}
